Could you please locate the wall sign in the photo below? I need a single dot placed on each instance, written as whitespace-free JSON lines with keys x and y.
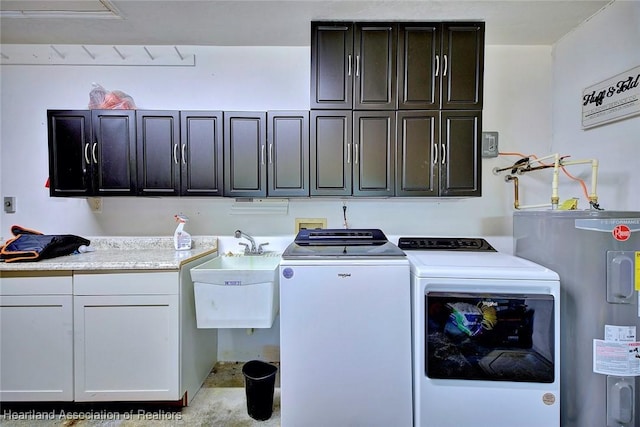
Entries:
{"x":613,"y":99}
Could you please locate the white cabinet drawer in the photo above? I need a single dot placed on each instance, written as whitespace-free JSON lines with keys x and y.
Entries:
{"x":126,"y":283}
{"x":33,"y":283}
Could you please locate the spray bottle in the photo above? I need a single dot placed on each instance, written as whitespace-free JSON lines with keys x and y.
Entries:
{"x":181,"y":239}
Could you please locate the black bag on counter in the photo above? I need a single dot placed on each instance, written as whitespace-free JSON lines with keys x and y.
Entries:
{"x":31,"y":245}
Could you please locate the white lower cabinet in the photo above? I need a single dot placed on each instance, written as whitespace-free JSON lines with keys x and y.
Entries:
{"x":126,"y":348}
{"x":36,"y":338}
{"x":102,"y":336}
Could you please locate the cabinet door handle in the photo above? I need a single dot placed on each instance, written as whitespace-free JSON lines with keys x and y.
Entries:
{"x":184,"y":154}
{"x":93,"y":153}
{"x":262,"y":155}
{"x":175,"y":153}
{"x":349,"y":66}
{"x":358,"y":66}
{"x":437,"y":65}
{"x":434,"y":148}
{"x":443,"y":157}
{"x":446,"y":63}
{"x":348,"y":153}
{"x":271,"y":153}
{"x":86,"y":154}
{"x":355,"y":156}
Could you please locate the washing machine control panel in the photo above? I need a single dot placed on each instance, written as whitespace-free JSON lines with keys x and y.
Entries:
{"x":444,"y":244}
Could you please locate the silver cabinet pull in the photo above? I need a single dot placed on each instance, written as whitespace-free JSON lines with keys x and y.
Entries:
{"x":184,"y":154}
{"x":446,"y":63}
{"x":358,"y":66}
{"x":93,"y":153}
{"x":271,"y":153}
{"x":86,"y":154}
{"x":262,"y":155}
{"x":355,"y":156}
{"x":437,"y":65}
{"x":434,"y":148}
{"x":175,"y":153}
{"x":348,"y":153}
{"x":349,"y":66}
{"x":443,"y":157}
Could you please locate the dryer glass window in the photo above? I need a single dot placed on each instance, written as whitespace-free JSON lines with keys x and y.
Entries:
{"x":494,"y":337}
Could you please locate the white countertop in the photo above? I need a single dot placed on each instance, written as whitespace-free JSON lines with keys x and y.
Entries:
{"x":123,"y":253}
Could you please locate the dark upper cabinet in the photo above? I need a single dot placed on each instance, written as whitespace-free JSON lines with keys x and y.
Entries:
{"x":288,"y":153}
{"x":388,"y":66}
{"x":158,"y":153}
{"x":438,"y":153}
{"x":179,"y":153}
{"x":245,"y":154}
{"x":201,"y":151}
{"x":375,"y":66}
{"x":332,"y":65}
{"x":440,"y":65}
{"x":352,"y":153}
{"x":353,"y":65}
{"x":91,"y":152}
{"x":462,"y":66}
{"x":374,"y":137}
{"x":460,"y":161}
{"x":418,"y":147}
{"x":418,"y":62}
{"x":331,"y":153}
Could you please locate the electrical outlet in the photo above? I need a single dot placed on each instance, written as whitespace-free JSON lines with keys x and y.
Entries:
{"x":310,"y":223}
{"x":489,"y":144}
{"x":10,"y":204}
{"x":95,"y":203}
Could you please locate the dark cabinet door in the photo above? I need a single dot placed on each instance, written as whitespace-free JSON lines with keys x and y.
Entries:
{"x":158,"y":153}
{"x":114,"y":152}
{"x":331,"y":153}
{"x":201,"y":150}
{"x":332,"y":65}
{"x":418,"y":152}
{"x":245,"y":171}
{"x":462,"y":66}
{"x":70,"y":145}
{"x":460,"y":162}
{"x":418,"y":66}
{"x":375,"y":66}
{"x":374,"y":136}
{"x":288,"y":153}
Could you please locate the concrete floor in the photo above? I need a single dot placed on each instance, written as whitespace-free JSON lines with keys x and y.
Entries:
{"x":220,"y":402}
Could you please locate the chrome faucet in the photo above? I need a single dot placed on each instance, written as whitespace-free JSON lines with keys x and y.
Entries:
{"x":250,"y":250}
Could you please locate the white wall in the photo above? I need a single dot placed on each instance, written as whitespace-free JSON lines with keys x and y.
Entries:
{"x":603,"y":47}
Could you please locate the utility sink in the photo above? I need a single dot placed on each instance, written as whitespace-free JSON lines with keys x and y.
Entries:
{"x":238,"y":269}
{"x":237,"y":291}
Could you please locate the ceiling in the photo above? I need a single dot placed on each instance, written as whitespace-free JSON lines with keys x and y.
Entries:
{"x":271,"y":23}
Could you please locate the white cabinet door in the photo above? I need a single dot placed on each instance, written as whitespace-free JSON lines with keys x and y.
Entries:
{"x":126,"y":347}
{"x":36,"y":342}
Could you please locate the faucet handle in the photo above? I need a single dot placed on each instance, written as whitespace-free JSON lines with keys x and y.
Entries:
{"x":246,"y":247}
{"x":260,"y":250}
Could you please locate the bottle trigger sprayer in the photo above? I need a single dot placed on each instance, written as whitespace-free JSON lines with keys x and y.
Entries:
{"x":181,"y":239}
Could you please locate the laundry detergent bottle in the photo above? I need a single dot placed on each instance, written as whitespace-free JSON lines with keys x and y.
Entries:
{"x":181,"y":239}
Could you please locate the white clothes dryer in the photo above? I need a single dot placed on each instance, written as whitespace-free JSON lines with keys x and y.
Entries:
{"x":486,"y":336}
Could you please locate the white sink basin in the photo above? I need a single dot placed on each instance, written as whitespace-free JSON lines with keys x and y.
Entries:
{"x":237,"y":291}
{"x":238,"y":269}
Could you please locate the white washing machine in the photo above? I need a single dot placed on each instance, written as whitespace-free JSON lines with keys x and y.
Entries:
{"x":345,"y":331}
{"x":486,"y":336}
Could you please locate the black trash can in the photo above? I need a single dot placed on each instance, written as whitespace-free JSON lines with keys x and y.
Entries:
{"x":259,"y":382}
